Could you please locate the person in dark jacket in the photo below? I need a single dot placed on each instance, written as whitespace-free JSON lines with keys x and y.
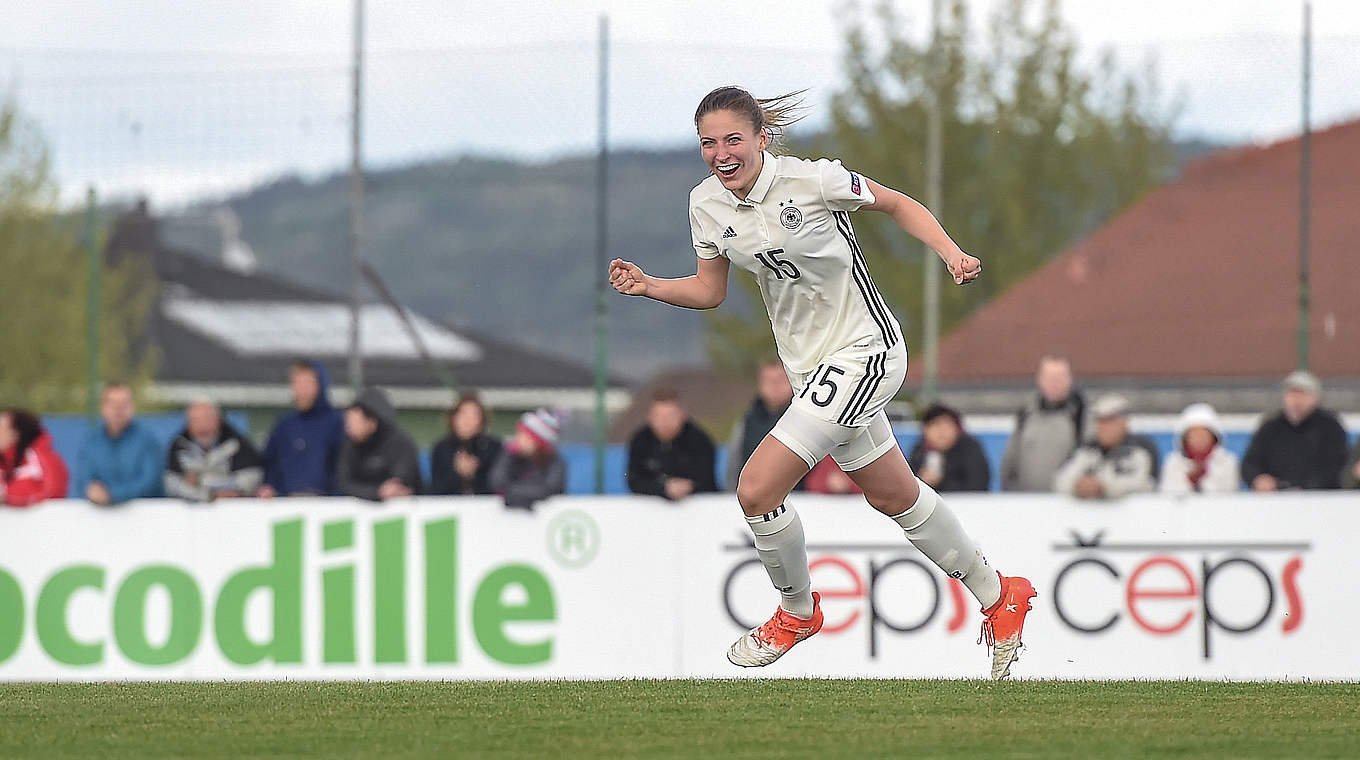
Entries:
{"x":461,"y":462}
{"x":530,"y":469}
{"x":1047,"y":429}
{"x":670,"y":456}
{"x":120,"y":459}
{"x":773,"y":396}
{"x":946,"y":457}
{"x":1303,"y":446}
{"x":299,"y":459}
{"x":378,"y":461}
{"x":210,"y":459}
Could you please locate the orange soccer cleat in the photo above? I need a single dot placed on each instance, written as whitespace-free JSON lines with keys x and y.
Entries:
{"x":763,"y":645}
{"x":1004,"y":622}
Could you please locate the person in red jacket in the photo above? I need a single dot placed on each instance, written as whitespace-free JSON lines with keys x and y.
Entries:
{"x":30,"y":469}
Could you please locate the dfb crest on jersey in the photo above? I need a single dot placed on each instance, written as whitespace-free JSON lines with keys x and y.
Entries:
{"x":791,"y":217}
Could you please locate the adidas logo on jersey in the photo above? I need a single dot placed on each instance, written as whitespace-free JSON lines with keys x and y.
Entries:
{"x":729,"y":233}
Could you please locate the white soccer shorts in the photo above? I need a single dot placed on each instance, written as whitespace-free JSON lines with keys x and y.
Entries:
{"x":838,"y":408}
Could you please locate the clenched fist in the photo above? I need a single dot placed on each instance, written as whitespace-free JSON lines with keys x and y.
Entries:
{"x":627,"y":278}
{"x":965,"y":269}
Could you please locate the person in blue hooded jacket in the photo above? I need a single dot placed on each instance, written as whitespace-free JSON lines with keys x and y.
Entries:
{"x":120,"y":459}
{"x":299,"y":459}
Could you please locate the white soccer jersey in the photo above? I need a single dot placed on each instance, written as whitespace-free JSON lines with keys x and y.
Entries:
{"x":793,"y":233}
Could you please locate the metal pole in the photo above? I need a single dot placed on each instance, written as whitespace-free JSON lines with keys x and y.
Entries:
{"x":1305,"y":171}
{"x":601,"y":257}
{"x":95,"y":266}
{"x":934,"y":201}
{"x":356,"y":204}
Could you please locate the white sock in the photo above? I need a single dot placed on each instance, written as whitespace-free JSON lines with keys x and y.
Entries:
{"x":783,"y":551}
{"x":936,"y":532}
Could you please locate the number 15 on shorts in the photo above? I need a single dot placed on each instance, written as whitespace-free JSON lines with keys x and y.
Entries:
{"x":821,"y":387}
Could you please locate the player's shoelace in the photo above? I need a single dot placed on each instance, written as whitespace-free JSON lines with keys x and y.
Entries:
{"x":987,"y":634}
{"x":766,"y":634}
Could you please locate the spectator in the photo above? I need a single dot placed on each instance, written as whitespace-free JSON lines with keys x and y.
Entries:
{"x":378,"y":461}
{"x":773,"y":396}
{"x":300,"y":457}
{"x":946,"y":457}
{"x":209,"y":459}
{"x":670,"y":456}
{"x":1350,"y":477}
{"x":120,"y":460}
{"x":1047,"y":429}
{"x":530,"y":469}
{"x":1114,"y":464}
{"x":1200,"y":463}
{"x":461,"y":463}
{"x":1303,"y":446}
{"x":828,"y":477}
{"x":30,"y":469}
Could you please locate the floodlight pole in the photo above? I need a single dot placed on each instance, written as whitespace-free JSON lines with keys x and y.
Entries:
{"x":935,"y":201}
{"x":95,"y":265}
{"x":356,"y":204}
{"x":1305,"y":171}
{"x":601,"y":257}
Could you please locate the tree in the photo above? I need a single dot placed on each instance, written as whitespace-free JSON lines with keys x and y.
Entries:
{"x":43,"y":273}
{"x":1037,"y":152}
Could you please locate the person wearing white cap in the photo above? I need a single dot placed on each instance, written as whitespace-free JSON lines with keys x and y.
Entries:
{"x":1302,"y":446}
{"x":1200,"y":463}
{"x":530,"y":469}
{"x":1112,"y":464}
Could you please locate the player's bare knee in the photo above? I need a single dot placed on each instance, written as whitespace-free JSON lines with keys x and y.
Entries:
{"x":756,"y":495}
{"x":889,"y":503}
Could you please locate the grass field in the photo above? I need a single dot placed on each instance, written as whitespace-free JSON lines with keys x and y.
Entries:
{"x":682,"y":719}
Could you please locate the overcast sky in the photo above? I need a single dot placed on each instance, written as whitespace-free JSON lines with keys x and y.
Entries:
{"x":191,"y":97}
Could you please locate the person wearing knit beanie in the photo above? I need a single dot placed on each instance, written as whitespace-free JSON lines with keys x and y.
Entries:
{"x":531,"y":469}
{"x":542,"y":425}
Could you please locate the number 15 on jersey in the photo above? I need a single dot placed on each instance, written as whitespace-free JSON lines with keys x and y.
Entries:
{"x":782,"y":268}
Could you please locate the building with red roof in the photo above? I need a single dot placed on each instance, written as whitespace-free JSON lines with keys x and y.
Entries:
{"x":1194,"y":284}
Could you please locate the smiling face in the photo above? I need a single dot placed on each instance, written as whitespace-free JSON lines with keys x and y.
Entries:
{"x":732,"y":148}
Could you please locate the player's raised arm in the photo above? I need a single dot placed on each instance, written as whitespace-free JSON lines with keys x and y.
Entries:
{"x":917,"y":220}
{"x":703,"y":290}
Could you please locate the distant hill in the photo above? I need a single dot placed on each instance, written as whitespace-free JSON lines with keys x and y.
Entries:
{"x":502,"y":247}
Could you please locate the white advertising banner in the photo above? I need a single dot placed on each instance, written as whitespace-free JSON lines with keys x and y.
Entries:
{"x":1242,"y":586}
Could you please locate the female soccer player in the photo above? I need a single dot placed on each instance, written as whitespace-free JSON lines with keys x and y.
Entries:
{"x":787,"y":221}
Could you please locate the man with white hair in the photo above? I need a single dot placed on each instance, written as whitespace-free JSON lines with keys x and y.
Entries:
{"x":1303,"y":446}
{"x":210,"y":459}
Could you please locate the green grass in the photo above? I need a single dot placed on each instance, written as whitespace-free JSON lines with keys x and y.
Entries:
{"x":774,"y":719}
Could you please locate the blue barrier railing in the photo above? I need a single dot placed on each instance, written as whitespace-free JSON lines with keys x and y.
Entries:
{"x":68,"y":432}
